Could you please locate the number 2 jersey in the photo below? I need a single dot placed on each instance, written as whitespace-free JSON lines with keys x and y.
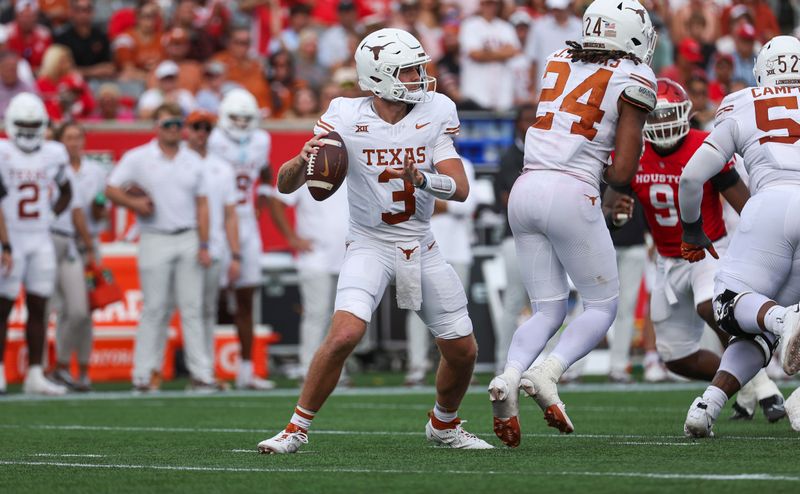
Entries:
{"x":762,"y":124}
{"x":31,"y":183}
{"x":383,"y":207}
{"x":656,"y":187}
{"x":577,"y":115}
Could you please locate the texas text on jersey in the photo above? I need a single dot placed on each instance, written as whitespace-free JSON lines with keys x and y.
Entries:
{"x":381,"y":206}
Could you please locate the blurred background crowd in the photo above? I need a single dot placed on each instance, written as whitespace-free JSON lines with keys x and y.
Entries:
{"x":117,"y":60}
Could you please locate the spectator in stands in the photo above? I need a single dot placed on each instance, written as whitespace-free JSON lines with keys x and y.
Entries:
{"x":55,"y":11}
{"x":245,"y":70}
{"x":695,"y":27}
{"x":305,"y":103}
{"x":265,"y":19}
{"x":410,"y":19}
{"x":329,"y":92}
{"x":334,"y":43}
{"x":688,"y":60}
{"x":721,"y":84}
{"x":488,"y":43}
{"x":138,"y":50}
{"x":289,"y":38}
{"x":306,"y":67}
{"x":166,"y":91}
{"x":703,"y":109}
{"x":213,"y":19}
{"x":65,"y":93}
{"x":708,"y":11}
{"x":282,"y":83}
{"x":761,"y":16}
{"x":744,"y":56}
{"x":449,"y":66}
{"x":109,"y":106}
{"x":176,"y":48}
{"x":550,"y":33}
{"x":89,"y":44}
{"x":521,"y":64}
{"x":214,"y":87}
{"x":429,"y":27}
{"x":10,"y":83}
{"x":201,"y":44}
{"x":25,"y":36}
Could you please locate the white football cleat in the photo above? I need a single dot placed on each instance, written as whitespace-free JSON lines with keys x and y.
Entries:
{"x":36,"y":383}
{"x":790,"y":340}
{"x":654,"y":372}
{"x":285,"y":442}
{"x":793,"y":409}
{"x":504,"y":395}
{"x":540,"y":384}
{"x":698,"y":422}
{"x":455,"y":437}
{"x":253,"y":383}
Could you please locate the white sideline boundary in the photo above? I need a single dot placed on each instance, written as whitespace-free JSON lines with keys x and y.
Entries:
{"x":644,"y":475}
{"x":420,"y":433}
{"x":365,"y":391}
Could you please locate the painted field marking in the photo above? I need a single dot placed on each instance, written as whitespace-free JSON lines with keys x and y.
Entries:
{"x":69,"y":455}
{"x":645,"y":475}
{"x":655,"y":443}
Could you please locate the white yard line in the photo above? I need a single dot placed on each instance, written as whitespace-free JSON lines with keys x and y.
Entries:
{"x":420,"y":433}
{"x":646,"y":475}
{"x":655,"y":443}
{"x":69,"y":455}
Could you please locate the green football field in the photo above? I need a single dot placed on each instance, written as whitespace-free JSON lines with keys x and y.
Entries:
{"x":371,"y":439}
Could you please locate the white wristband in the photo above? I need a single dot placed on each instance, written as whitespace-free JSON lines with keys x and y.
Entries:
{"x":265,"y":190}
{"x":439,"y":186}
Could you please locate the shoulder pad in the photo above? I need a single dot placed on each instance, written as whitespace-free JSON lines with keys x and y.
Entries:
{"x":640,"y":96}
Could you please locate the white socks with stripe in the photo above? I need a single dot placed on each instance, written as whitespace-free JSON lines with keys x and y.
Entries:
{"x":302,"y":418}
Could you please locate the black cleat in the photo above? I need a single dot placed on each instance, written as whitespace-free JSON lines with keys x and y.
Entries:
{"x":741,"y":413}
{"x":773,"y":408}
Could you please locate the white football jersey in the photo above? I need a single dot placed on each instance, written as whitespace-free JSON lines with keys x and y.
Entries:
{"x":576,"y":127}
{"x":31,"y":183}
{"x":765,"y":130}
{"x":247,"y":159}
{"x":382,"y":207}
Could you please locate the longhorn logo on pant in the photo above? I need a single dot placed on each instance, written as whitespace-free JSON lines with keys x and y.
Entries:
{"x":408,"y":252}
{"x":592,"y":198}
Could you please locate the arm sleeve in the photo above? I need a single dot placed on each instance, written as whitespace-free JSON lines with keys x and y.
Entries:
{"x":727,"y":178}
{"x":712,"y":156}
{"x":445,"y":148}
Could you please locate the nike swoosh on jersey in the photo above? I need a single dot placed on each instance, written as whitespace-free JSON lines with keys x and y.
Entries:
{"x":419,"y":126}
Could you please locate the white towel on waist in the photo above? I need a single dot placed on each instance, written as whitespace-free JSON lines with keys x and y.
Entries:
{"x":408,"y":275}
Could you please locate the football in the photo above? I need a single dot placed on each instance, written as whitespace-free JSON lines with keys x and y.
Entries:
{"x":325,"y":171}
{"x":135,"y":190}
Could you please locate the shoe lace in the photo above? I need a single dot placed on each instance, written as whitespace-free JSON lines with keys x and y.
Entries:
{"x":294,"y":436}
{"x":463,"y":432}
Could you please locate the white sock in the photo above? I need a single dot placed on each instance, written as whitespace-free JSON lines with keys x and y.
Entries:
{"x":651,"y":357}
{"x":2,"y":376}
{"x":512,"y":373}
{"x":715,"y":398}
{"x":245,"y":368}
{"x":773,"y":319}
{"x":35,"y":371}
{"x":302,"y":417}
{"x":443,"y":415}
{"x":555,"y":366}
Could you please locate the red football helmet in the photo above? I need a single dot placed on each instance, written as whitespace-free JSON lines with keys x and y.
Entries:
{"x":669,"y":122}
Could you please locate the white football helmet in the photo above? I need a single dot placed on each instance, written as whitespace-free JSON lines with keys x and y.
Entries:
{"x":778,"y":62}
{"x":26,"y":121}
{"x":238,"y":114}
{"x":379,"y":58}
{"x":619,"y":25}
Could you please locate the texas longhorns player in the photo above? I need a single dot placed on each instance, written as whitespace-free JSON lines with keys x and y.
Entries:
{"x":680,"y":302}
{"x":238,"y":141}
{"x":758,"y":276}
{"x":31,"y":169}
{"x":401,"y":159}
{"x":595,"y":97}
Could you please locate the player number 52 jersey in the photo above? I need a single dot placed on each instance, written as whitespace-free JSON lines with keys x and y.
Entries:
{"x":31,"y":184}
{"x":762,"y":124}
{"x":381,"y":206}
{"x":577,"y":114}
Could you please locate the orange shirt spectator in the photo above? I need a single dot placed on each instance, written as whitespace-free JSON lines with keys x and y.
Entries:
{"x":25,"y":37}
{"x":177,"y":46}
{"x":55,"y":10}
{"x":761,"y":16}
{"x":138,"y":50}
{"x":243,"y":69}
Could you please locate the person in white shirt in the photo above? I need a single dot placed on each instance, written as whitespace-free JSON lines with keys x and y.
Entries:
{"x":319,"y":237}
{"x":174,"y":243}
{"x":166,"y":91}
{"x":30,"y":170}
{"x":223,"y":224}
{"x":74,"y":236}
{"x":550,"y":33}
{"x":488,"y":43}
{"x":451,"y":225}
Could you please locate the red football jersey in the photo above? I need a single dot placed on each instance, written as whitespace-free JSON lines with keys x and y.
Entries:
{"x":656,"y":186}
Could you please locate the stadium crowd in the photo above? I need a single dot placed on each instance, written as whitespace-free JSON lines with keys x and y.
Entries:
{"x":117,"y":60}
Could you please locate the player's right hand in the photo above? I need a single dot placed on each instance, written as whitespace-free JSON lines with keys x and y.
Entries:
{"x":300,"y":244}
{"x":312,"y":146}
{"x":695,"y":242}
{"x":622,"y":210}
{"x":142,"y":206}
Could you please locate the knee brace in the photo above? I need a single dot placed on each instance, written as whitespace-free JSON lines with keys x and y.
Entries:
{"x":723,"y":313}
{"x":765,"y":344}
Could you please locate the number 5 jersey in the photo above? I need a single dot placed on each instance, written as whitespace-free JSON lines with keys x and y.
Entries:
{"x":383,"y":207}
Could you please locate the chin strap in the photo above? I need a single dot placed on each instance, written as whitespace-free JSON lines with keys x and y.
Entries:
{"x":439,"y":186}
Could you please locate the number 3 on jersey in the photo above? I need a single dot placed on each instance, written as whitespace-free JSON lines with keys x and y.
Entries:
{"x":590,"y":113}
{"x":406,"y":196}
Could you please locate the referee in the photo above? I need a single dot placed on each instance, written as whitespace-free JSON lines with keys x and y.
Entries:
{"x":173,"y":248}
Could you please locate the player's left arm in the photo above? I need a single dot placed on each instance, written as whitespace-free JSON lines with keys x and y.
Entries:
{"x":201,"y":205}
{"x":64,"y":191}
{"x":732,"y":188}
{"x":708,"y":161}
